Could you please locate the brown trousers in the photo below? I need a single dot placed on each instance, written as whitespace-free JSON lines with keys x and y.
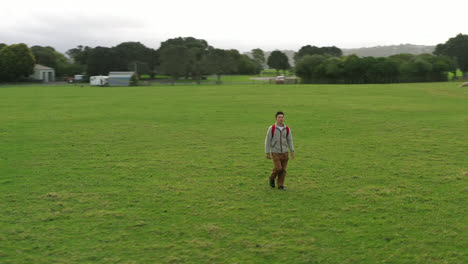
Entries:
{"x":280,"y":160}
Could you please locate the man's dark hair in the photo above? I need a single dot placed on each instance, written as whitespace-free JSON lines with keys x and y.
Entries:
{"x":279,"y":113}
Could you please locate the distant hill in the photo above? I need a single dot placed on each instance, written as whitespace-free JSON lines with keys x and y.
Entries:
{"x":385,"y":51}
{"x":378,"y":51}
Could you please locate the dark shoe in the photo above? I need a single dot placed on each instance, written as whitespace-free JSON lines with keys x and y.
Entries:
{"x":272,"y":183}
{"x":282,"y":188}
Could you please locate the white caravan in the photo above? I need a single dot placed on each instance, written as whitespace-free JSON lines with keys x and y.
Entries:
{"x":98,"y":80}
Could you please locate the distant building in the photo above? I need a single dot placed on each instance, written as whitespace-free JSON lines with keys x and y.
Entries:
{"x":43,"y":73}
{"x":120,"y":78}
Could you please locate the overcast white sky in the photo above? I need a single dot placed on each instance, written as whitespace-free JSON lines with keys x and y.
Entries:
{"x":240,"y":24}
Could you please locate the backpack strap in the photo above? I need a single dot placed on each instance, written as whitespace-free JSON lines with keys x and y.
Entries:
{"x":273,"y":128}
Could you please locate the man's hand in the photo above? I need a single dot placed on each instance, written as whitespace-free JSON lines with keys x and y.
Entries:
{"x":292,"y":155}
{"x":268,"y":156}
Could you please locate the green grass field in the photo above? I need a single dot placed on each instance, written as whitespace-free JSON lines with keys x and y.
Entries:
{"x":177,"y":174}
{"x":459,"y":74}
{"x":211,"y":79}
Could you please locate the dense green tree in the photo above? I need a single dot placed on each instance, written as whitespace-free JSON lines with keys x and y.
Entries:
{"x":153,"y":62}
{"x":246,"y":65}
{"x":102,"y":60}
{"x":311,"y":68}
{"x":16,"y":62}
{"x":371,"y":74}
{"x":189,"y":42}
{"x":196,"y":55}
{"x":333,"y":67}
{"x":46,"y":56}
{"x":456,"y":47}
{"x":49,"y":57}
{"x":174,"y":61}
{"x":194,"y":52}
{"x":136,"y":57}
{"x":332,"y":51}
{"x":235,"y":57}
{"x":259,"y":58}
{"x":278,"y":61}
{"x":313,"y":50}
{"x":401,"y":58}
{"x":219,"y":62}
{"x":306,"y":50}
{"x":80,"y":54}
{"x":242,"y":64}
{"x":419,"y":70}
{"x":1,"y":70}
{"x":130,"y":51}
{"x":129,"y":56}
{"x":354,"y":69}
{"x":388,"y":70}
{"x":442,"y":65}
{"x":66,"y":68}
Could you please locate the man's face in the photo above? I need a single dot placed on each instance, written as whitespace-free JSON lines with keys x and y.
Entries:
{"x":280,"y":119}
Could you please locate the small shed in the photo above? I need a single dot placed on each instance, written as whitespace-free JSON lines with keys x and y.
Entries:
{"x":120,"y":78}
{"x":43,"y":73}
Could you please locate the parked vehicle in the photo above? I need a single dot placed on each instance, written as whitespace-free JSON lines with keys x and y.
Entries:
{"x":78,"y":78}
{"x":280,"y":79}
{"x":99,"y":80}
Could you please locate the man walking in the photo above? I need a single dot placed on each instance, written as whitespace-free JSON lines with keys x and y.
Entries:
{"x":277,"y":141}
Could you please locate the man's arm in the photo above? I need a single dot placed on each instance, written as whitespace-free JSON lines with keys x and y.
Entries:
{"x":268,"y":143}
{"x":290,"y":143}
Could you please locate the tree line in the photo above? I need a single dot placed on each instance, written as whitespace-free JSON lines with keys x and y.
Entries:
{"x":191,"y":58}
{"x":357,"y":70}
{"x":188,"y":58}
{"x":327,"y":65}
{"x":178,"y":58}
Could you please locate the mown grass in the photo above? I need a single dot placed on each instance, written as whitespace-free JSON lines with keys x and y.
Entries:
{"x":211,"y":79}
{"x":177,"y":174}
{"x":459,"y":75}
{"x":273,"y":72}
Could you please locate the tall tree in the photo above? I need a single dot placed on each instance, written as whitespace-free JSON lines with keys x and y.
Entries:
{"x":134,"y":56}
{"x":79,"y":54}
{"x":259,"y":57}
{"x":313,"y":50}
{"x":16,"y":61}
{"x":2,"y":45}
{"x":246,"y":65}
{"x":456,"y":47}
{"x":442,"y":65}
{"x":354,"y":69}
{"x":49,"y":57}
{"x":102,"y":60}
{"x":153,"y":62}
{"x":46,"y":56}
{"x":219,"y":62}
{"x":278,"y":61}
{"x":236,"y":59}
{"x":312,"y":68}
{"x":174,"y":60}
{"x":195,"y":50}
{"x":333,"y":67}
{"x":387,"y":70}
